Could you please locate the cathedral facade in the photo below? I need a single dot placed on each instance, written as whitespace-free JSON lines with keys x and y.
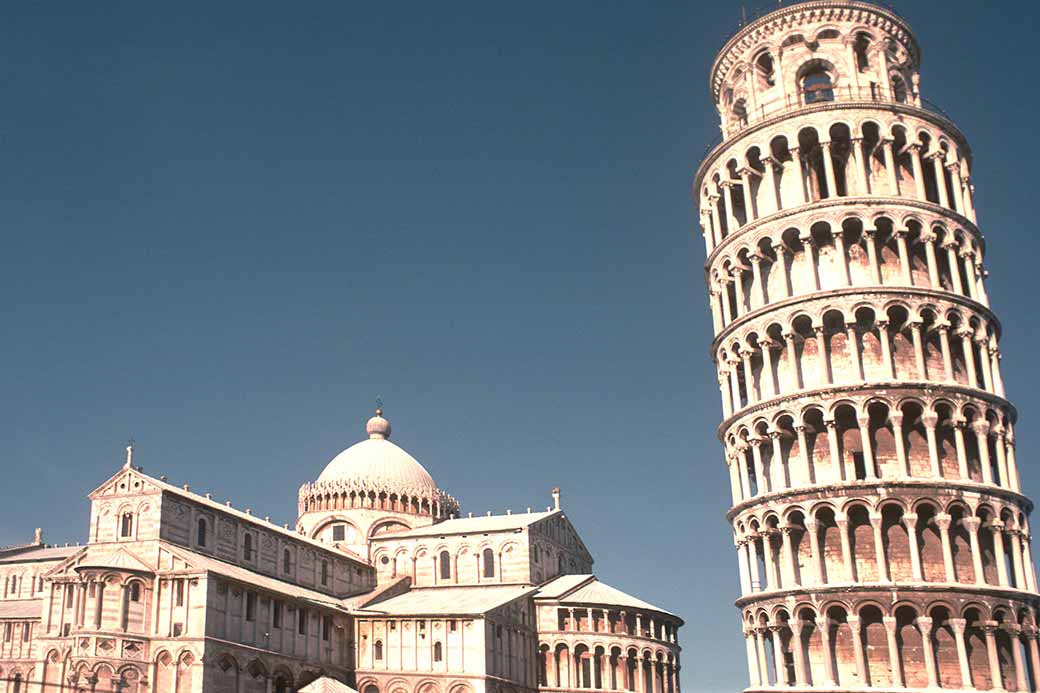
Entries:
{"x":382,"y":586}
{"x":879,"y":526}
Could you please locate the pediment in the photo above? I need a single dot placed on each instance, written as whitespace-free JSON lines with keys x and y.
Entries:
{"x":101,"y":558}
{"x":128,"y":481}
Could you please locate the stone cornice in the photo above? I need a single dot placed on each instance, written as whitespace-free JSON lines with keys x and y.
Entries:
{"x":874,"y":388}
{"x":846,"y":207}
{"x":860,"y":294}
{"x":888,"y":589}
{"x":939,"y":488}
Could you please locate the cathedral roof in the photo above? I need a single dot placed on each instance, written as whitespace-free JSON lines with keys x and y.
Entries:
{"x":472,"y":525}
{"x":327,"y":684}
{"x":587,"y":589}
{"x":118,"y":560}
{"x":199,"y":561}
{"x":377,"y":463}
{"x":38,"y":553}
{"x":21,"y":608}
{"x":457,"y":600}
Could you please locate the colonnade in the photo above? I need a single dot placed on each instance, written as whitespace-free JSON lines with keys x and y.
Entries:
{"x":614,"y":668}
{"x":776,"y":171}
{"x":888,"y":545}
{"x":589,"y":619}
{"x":911,"y":646}
{"x":873,"y":443}
{"x":76,"y":599}
{"x":811,"y":356}
{"x":824,"y":262}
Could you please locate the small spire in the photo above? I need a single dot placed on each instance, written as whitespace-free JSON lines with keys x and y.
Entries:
{"x":129,"y":464}
{"x":556,"y":498}
{"x":38,"y":536}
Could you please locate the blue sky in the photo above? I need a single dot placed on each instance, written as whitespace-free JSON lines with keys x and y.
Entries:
{"x":227,"y":229}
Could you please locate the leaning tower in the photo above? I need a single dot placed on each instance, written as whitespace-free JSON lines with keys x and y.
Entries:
{"x":880,"y":530}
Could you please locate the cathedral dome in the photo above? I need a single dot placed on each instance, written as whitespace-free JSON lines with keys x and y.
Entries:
{"x":374,"y":474}
{"x":378,"y":463}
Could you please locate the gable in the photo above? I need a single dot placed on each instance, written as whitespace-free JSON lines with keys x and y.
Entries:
{"x":101,"y":558}
{"x":128,"y":481}
{"x":557,"y":529}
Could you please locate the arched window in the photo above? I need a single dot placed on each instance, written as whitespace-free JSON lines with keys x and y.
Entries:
{"x":438,"y":652}
{"x":16,"y":684}
{"x":740,"y":114}
{"x":765,"y":70}
{"x":445,"y":561}
{"x":13,"y":587}
{"x":324,"y":572}
{"x":817,"y":86}
{"x":339,"y":532}
{"x":899,"y":91}
{"x":379,"y":649}
{"x":201,"y":538}
{"x":560,"y":567}
{"x":860,"y":47}
{"x":247,"y":547}
{"x":286,"y":561}
{"x":135,"y":591}
{"x":126,"y":525}
{"x":489,"y":563}
{"x":371,"y":688}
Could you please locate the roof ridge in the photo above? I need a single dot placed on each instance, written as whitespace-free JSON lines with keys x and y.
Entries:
{"x":249,"y":517}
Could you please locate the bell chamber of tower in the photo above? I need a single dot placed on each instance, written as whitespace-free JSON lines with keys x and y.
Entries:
{"x":881,"y":533}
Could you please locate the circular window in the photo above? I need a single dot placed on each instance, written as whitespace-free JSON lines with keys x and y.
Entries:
{"x":384,"y":560}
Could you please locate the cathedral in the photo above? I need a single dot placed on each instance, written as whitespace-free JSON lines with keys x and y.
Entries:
{"x":382,"y":586}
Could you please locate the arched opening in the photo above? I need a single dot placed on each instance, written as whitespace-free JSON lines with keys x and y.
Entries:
{"x":765,"y":71}
{"x":911,"y":648}
{"x":126,"y":525}
{"x":444,"y":563}
{"x":896,"y":541}
{"x":816,"y":83}
{"x":874,"y":637}
{"x":861,"y":538}
{"x":944,"y":648}
{"x":978,"y":655}
{"x":900,"y":93}
{"x":860,"y":49}
{"x":488,"y":560}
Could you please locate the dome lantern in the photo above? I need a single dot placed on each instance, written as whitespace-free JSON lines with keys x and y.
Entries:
{"x":378,"y":428}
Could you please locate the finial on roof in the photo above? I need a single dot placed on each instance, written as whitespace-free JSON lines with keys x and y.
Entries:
{"x":38,"y":536}
{"x":378,"y":428}
{"x":556,"y":498}
{"x":129,"y":464}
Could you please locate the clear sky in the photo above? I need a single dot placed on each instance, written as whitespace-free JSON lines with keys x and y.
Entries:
{"x":228,"y":227}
